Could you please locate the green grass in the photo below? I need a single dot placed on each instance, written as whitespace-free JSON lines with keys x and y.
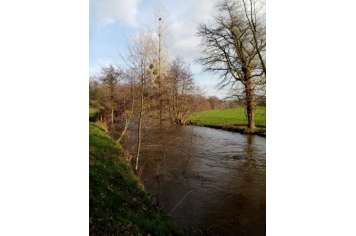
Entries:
{"x":92,"y":113}
{"x":118,"y":204}
{"x":235,"y":116}
{"x":231,"y":120}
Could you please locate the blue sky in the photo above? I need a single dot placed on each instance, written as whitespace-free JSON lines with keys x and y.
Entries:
{"x":110,"y":21}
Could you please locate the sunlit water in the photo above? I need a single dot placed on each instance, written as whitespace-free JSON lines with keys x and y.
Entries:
{"x":224,"y":185}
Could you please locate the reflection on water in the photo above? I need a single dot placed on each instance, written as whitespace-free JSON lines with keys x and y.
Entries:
{"x":224,"y":186}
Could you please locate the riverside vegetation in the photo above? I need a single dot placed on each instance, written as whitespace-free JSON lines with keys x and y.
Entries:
{"x":118,"y":203}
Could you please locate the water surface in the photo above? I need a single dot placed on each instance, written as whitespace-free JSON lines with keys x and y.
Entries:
{"x":223,"y":187}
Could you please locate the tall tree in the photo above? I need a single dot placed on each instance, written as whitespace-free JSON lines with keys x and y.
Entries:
{"x":159,"y":26}
{"x":140,"y":59}
{"x":182,"y":92}
{"x":110,"y":80}
{"x":127,"y":97}
{"x":228,"y":48}
{"x":255,"y":13}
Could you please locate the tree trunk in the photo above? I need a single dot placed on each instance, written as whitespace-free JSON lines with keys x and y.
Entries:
{"x":127,"y":121}
{"x":160,"y":104}
{"x":159,"y":72}
{"x":250,"y":103}
{"x":138,"y":143}
{"x":112,"y":117}
{"x":139,"y":130}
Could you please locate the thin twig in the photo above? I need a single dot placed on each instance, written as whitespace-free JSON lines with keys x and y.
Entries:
{"x":181,"y":201}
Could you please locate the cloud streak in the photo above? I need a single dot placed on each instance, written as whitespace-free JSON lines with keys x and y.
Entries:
{"x":110,"y":11}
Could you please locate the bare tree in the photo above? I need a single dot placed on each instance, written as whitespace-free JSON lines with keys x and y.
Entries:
{"x":95,"y":95}
{"x":110,"y":81}
{"x":255,"y":13}
{"x":160,"y":28}
{"x":216,"y":103}
{"x":128,"y":101}
{"x":140,"y":60}
{"x":229,"y":50}
{"x":182,"y":92}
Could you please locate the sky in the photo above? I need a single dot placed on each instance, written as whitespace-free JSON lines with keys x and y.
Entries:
{"x":111,"y":22}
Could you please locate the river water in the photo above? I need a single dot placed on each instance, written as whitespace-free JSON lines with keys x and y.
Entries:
{"x":205,"y":178}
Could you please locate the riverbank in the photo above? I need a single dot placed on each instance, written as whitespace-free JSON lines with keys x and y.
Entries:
{"x":231,"y":119}
{"x":235,"y":128}
{"x":118,"y":203}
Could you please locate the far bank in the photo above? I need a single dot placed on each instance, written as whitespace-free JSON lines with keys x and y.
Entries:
{"x":232,"y":119}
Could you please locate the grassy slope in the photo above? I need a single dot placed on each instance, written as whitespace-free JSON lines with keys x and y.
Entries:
{"x":231,"y":119}
{"x":118,"y":203}
{"x":92,"y":113}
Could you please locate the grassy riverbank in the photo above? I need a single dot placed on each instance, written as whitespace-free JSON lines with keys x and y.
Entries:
{"x":118,"y":204}
{"x":92,"y":114}
{"x":231,"y":119}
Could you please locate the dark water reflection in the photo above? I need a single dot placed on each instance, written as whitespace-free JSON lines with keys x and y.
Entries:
{"x":225,"y":177}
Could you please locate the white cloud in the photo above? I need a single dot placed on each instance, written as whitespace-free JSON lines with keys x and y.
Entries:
{"x":185,"y":28}
{"x":201,"y":10}
{"x":110,"y":11}
{"x":186,"y":42}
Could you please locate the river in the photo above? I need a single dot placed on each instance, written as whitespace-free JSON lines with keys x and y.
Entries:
{"x":205,"y":178}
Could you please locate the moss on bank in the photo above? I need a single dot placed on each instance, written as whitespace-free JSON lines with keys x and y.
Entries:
{"x":118,"y":204}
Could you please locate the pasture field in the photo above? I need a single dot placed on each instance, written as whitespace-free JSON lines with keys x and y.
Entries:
{"x":233,"y":116}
